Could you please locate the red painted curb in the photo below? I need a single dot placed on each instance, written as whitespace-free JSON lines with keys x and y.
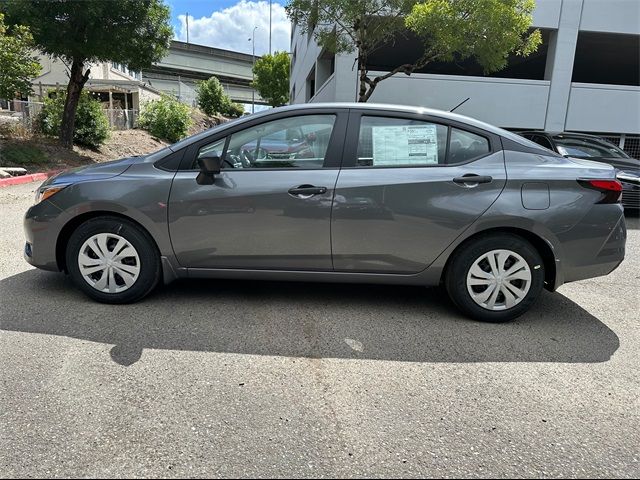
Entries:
{"x":33,"y":177}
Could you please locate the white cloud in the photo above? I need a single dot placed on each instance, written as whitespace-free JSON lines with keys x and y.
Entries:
{"x":231,"y":27}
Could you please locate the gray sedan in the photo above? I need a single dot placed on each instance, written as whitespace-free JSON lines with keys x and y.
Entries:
{"x":337,"y":193}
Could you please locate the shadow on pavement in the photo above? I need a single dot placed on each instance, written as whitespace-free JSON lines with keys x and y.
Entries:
{"x":409,"y":324}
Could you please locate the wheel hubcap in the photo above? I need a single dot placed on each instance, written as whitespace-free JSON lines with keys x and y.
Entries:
{"x":499,"y":280}
{"x":109,"y":263}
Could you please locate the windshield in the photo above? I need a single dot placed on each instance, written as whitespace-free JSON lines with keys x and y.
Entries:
{"x":587,"y":147}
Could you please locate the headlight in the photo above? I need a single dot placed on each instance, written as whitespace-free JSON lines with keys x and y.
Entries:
{"x":45,"y":192}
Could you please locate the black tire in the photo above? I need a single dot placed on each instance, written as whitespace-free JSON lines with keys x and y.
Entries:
{"x":468,"y":253}
{"x":150,"y":268}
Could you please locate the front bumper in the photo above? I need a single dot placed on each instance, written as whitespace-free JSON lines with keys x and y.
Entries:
{"x":42,"y":225}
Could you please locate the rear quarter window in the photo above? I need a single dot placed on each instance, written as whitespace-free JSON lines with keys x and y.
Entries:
{"x":465,"y":146}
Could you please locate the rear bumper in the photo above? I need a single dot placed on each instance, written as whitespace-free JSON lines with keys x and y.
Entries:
{"x":598,"y":257}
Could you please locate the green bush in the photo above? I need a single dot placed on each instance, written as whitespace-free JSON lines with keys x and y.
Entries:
{"x":212,"y":100}
{"x":211,"y":97}
{"x":166,"y":118}
{"x":233,"y":109}
{"x":91,"y":127}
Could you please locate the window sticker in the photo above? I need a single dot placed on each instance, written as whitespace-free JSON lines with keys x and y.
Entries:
{"x":405,"y":145}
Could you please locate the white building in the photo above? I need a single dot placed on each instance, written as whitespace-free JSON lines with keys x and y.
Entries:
{"x":585,"y":77}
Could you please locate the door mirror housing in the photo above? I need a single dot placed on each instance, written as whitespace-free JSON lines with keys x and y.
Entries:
{"x":210,"y":165}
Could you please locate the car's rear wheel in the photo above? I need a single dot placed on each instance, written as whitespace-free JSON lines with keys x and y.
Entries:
{"x":113,"y":260}
{"x":496,"y":277}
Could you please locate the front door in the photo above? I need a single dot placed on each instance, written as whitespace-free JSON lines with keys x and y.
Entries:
{"x":408,"y":188}
{"x":270,"y":206}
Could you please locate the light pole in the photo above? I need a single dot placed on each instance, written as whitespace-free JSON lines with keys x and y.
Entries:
{"x":269,"y":27}
{"x":253,"y":64}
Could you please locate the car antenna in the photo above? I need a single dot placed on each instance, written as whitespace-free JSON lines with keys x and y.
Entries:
{"x":461,"y":103}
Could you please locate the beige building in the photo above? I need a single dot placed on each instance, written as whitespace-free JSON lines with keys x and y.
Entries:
{"x":114,"y":85}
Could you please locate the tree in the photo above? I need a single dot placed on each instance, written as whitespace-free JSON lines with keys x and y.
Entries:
{"x":486,"y":30}
{"x":212,"y":99}
{"x":272,"y":78}
{"x":18,"y":66}
{"x":131,"y":32}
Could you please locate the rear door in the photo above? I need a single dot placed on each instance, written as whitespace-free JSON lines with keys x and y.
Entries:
{"x":409,"y":186}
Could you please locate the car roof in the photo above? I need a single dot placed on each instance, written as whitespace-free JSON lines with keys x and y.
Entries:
{"x":396,"y":108}
{"x":382,"y":107}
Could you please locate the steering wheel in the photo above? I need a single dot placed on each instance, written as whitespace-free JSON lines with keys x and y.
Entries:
{"x":246,"y":158}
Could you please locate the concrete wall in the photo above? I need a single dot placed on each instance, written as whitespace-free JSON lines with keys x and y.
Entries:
{"x":502,"y":102}
{"x":237,"y":93}
{"x":196,"y":62}
{"x":621,"y":16}
{"x":603,"y":108}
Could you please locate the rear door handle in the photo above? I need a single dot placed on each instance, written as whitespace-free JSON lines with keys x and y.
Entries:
{"x":471,"y":179}
{"x":307,"y":191}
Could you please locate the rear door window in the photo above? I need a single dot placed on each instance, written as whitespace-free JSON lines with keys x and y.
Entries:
{"x":399,"y":142}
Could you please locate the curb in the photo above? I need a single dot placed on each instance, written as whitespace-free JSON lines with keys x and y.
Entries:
{"x":33,"y":177}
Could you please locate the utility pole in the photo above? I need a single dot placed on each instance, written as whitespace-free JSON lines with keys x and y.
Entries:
{"x":187,"y":27}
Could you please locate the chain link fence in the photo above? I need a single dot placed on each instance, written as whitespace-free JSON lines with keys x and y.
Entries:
{"x":20,"y":112}
{"x":629,"y":143}
{"x":26,"y":113}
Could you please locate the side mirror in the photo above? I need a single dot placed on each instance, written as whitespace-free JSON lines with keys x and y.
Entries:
{"x":210,"y":165}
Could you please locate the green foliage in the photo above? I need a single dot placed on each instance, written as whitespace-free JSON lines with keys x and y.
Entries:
{"x":92,"y":125}
{"x":166,"y":118}
{"x":212,"y":99}
{"x":486,"y":30}
{"x":345,"y":26}
{"x":135,"y":33}
{"x":272,"y":78}
{"x":233,"y":110}
{"x":18,"y":155}
{"x":18,"y":66}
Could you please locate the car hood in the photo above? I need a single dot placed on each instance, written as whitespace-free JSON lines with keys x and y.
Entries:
{"x":98,"y":171}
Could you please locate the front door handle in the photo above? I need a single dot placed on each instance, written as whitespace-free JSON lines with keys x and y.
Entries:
{"x":307,"y":191}
{"x":472,"y":180}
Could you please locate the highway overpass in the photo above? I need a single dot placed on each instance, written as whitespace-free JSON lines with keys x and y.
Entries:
{"x":186,"y":63}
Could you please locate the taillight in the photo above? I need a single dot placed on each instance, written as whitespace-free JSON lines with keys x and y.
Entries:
{"x":611,"y":189}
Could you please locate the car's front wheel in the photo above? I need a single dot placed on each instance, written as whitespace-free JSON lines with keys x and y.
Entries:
{"x":496,"y":277}
{"x":113,"y":260}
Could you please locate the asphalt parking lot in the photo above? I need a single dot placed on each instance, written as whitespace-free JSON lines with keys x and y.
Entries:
{"x":228,"y":379}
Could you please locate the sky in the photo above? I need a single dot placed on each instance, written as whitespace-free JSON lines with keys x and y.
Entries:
{"x":229,"y":24}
